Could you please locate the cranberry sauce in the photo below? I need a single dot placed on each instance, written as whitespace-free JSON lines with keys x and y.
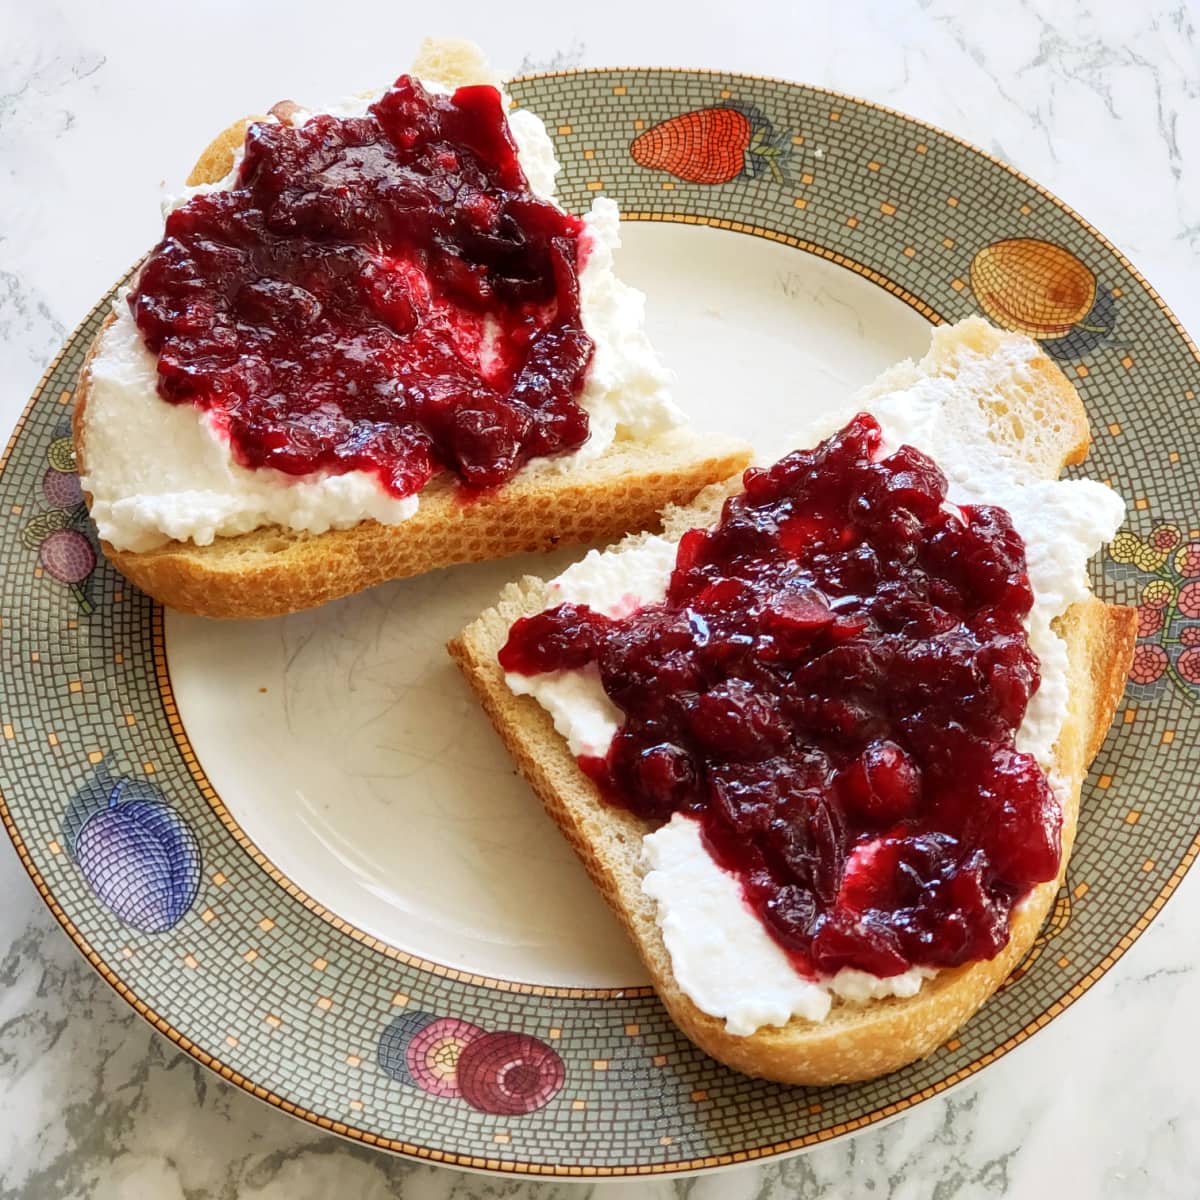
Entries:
{"x":832,"y":686}
{"x":380,"y":292}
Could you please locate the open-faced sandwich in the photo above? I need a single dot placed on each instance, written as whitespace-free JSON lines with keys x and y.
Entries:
{"x":369,"y":344}
{"x":821,"y":743}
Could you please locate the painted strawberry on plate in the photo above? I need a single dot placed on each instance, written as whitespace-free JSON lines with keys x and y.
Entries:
{"x":713,"y":145}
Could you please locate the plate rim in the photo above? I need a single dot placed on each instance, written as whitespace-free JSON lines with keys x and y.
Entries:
{"x":1044,"y":192}
{"x":476,"y":1163}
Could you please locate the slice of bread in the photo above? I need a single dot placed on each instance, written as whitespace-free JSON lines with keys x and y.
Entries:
{"x":1042,"y":414}
{"x":275,"y":570}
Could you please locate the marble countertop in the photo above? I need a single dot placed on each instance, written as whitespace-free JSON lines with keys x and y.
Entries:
{"x":1099,"y":100}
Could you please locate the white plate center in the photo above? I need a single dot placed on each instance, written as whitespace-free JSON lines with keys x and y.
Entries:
{"x":348,"y":748}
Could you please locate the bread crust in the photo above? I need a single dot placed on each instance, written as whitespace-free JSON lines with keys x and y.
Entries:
{"x":854,"y":1042}
{"x":273,"y":570}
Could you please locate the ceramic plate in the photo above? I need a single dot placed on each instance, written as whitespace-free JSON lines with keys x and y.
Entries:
{"x":297,"y":848}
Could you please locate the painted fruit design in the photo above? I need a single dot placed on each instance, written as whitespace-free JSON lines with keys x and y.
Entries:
{"x":65,"y":552}
{"x":423,"y":1050}
{"x":67,"y":555}
{"x":1168,"y":608}
{"x":713,"y":145}
{"x":60,"y":483}
{"x":135,"y":851}
{"x":1043,"y":290}
{"x":503,"y":1073}
{"x":509,"y":1073}
{"x":61,"y":488}
{"x":94,"y":796}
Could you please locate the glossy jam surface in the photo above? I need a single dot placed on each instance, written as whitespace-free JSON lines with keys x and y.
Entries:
{"x":380,"y":292}
{"x":832,"y":686}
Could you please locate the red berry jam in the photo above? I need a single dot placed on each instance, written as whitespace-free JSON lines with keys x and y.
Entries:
{"x":381,"y":293}
{"x":832,"y":687}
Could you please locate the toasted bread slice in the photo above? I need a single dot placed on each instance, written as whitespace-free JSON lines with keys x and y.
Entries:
{"x":274,"y":570}
{"x":856,"y":1041}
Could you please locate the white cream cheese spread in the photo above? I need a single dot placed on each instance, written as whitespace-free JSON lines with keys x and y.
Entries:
{"x":159,"y":472}
{"x":721,"y":954}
